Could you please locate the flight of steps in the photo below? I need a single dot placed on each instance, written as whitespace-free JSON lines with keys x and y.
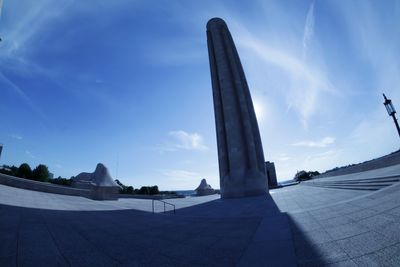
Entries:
{"x":371,"y":184}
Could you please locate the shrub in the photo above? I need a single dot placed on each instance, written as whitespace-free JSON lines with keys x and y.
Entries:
{"x":154,"y":190}
{"x":129,"y":190}
{"x":303,"y":175}
{"x":61,"y":181}
{"x":148,"y":190}
{"x":40,"y":173}
{"x":24,"y":171}
{"x":144,"y":190}
{"x":9,"y":170}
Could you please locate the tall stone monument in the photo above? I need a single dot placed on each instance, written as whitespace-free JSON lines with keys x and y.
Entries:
{"x":240,"y":153}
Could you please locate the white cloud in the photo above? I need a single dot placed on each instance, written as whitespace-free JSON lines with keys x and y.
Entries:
{"x":308,"y":29}
{"x":180,"y":174}
{"x":29,"y":154}
{"x":17,"y":90}
{"x":324,"y":142}
{"x":57,"y":165}
{"x":181,"y":179}
{"x":283,"y":157}
{"x":323,"y":161}
{"x":28,"y":20}
{"x":187,"y":141}
{"x":307,"y":81}
{"x":374,"y":36}
{"x":16,"y":136}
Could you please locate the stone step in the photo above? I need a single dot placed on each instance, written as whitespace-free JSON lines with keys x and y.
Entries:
{"x":372,"y":188}
{"x":374,"y":183}
{"x":354,"y":184}
{"x":395,"y":178}
{"x":361,"y":184}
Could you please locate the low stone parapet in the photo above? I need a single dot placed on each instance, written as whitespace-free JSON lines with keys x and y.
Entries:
{"x":42,"y":186}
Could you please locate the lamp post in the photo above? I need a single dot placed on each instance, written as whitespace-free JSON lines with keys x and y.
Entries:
{"x":391,"y":111}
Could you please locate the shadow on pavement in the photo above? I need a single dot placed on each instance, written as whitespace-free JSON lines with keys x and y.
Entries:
{"x":234,"y":232}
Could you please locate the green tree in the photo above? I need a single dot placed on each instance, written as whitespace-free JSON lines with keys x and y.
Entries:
{"x":154,"y":190}
{"x":9,"y":170}
{"x":41,"y":173}
{"x":303,"y":175}
{"x":24,"y":171}
{"x":14,"y":170}
{"x":129,"y":190}
{"x":144,"y":190}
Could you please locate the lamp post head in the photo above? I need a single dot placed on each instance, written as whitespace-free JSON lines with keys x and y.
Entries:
{"x":389,"y":106}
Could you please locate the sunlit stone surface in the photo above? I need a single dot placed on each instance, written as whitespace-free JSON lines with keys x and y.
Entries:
{"x":100,"y":182}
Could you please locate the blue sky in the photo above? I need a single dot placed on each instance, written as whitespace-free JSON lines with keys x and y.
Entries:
{"x":127,"y":83}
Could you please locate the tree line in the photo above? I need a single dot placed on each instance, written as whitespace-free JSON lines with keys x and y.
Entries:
{"x":39,"y":173}
{"x":144,"y":190}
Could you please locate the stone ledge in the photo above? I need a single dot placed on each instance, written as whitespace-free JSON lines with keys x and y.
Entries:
{"x":95,"y":192}
{"x":42,"y":187}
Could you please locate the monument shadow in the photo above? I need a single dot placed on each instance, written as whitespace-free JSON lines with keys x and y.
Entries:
{"x":224,"y":232}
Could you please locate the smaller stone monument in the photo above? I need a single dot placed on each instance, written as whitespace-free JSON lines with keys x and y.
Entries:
{"x":271,"y":174}
{"x":100,"y":183}
{"x":204,"y":189}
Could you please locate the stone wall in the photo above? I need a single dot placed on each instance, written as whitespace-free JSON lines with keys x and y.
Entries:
{"x":382,"y":162}
{"x":42,"y":187}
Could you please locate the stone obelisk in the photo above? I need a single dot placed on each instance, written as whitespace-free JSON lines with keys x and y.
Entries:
{"x":240,"y":153}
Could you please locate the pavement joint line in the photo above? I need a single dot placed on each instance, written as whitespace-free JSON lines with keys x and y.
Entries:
{"x":251,"y":240}
{"x":54,"y":240}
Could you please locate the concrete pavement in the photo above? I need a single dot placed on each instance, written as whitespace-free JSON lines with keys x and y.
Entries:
{"x":294,"y":226}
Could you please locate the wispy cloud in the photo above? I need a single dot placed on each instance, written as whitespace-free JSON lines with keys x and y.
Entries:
{"x":29,"y":20}
{"x":180,"y":174}
{"x":179,"y":179}
{"x":323,"y":160}
{"x":57,"y":165}
{"x":183,"y":141}
{"x":15,"y":136}
{"x":24,"y":97}
{"x":29,"y":154}
{"x":308,"y":29}
{"x":283,"y":157}
{"x":189,"y":141}
{"x":324,"y":142}
{"x":374,"y":36}
{"x":307,"y":81}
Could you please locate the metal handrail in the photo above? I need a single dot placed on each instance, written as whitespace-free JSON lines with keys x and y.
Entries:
{"x":165,"y":203}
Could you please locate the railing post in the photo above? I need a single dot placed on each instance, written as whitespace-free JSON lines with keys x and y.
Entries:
{"x":165,"y":203}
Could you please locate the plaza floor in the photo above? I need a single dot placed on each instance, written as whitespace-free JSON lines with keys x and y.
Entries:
{"x":294,"y":226}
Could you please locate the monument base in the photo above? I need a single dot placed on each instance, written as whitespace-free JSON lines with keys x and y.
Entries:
{"x":247,"y":185}
{"x":104,"y":193}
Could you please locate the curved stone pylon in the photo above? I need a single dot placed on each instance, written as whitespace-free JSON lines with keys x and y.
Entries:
{"x":240,"y":153}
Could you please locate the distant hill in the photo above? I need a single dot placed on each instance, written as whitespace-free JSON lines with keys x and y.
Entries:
{"x":385,"y":161}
